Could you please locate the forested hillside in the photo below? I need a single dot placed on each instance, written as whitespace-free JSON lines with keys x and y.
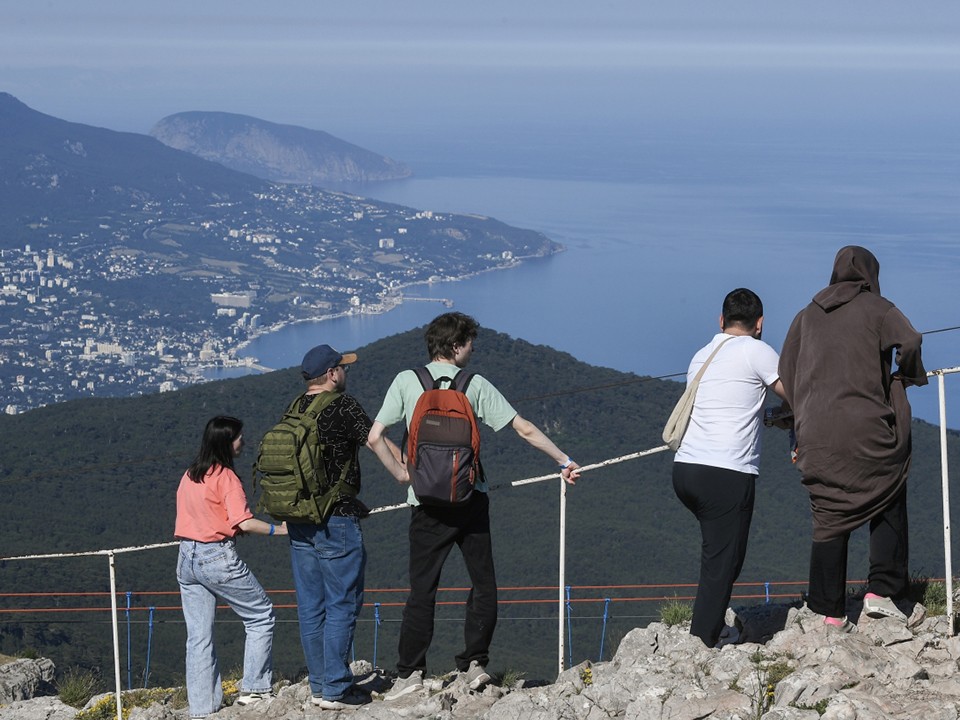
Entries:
{"x":97,"y":474}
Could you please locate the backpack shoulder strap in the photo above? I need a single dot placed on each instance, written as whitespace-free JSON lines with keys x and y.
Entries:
{"x":461,"y":381}
{"x":424,"y":376}
{"x":319,"y":401}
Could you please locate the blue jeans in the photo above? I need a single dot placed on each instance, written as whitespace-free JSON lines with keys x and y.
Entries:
{"x":205,"y":572}
{"x":328,"y":564}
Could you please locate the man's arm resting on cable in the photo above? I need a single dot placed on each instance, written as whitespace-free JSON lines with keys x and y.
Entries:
{"x":536,"y":438}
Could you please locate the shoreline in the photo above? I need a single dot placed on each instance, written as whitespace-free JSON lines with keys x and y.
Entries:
{"x":389,"y":302}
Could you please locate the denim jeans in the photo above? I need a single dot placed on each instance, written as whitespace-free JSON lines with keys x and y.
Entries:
{"x":328,"y":564}
{"x":207,"y":571}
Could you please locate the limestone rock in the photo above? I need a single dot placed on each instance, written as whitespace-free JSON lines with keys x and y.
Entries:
{"x":795,"y":668}
{"x":23,"y":679}
{"x":45,"y":708}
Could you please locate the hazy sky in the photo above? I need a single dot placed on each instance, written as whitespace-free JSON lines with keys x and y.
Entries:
{"x":124,"y":64}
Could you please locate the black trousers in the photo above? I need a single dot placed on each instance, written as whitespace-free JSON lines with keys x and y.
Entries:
{"x":722,"y":501}
{"x":889,"y":555}
{"x":433,"y":533}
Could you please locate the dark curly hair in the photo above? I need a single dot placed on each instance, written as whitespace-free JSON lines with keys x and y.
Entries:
{"x":447,"y":330}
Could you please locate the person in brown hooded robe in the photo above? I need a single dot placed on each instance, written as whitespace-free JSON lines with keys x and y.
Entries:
{"x":852,"y":422}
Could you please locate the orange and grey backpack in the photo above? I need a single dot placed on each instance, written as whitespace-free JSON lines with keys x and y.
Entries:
{"x":443,"y":441}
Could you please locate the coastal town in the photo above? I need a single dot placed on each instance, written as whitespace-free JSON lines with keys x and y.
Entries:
{"x":151,"y":297}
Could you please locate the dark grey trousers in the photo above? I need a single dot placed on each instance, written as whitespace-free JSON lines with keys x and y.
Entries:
{"x":889,"y":554}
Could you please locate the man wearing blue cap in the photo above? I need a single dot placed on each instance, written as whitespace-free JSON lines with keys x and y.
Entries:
{"x":329,"y":559}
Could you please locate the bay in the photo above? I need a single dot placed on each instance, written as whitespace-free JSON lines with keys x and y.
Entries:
{"x":648,"y":261}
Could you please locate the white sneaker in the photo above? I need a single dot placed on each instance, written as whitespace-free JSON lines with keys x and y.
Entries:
{"x":405,"y":686}
{"x":248,"y":698}
{"x":841,"y":625}
{"x":876,"y":606}
{"x":476,"y":676}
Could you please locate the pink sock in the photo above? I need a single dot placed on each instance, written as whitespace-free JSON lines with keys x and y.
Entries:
{"x":872,"y":596}
{"x":833,"y":621}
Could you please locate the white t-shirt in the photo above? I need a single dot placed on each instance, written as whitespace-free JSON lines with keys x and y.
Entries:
{"x":724,"y":429}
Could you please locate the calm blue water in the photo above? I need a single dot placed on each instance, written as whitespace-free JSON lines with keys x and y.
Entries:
{"x":648,"y":261}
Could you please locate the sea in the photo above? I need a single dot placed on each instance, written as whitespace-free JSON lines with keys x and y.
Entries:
{"x":657,"y":230}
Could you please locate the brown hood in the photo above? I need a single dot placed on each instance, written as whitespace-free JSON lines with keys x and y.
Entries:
{"x":855,"y":270}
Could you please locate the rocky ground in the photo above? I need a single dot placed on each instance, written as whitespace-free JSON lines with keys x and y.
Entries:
{"x":788,"y":666}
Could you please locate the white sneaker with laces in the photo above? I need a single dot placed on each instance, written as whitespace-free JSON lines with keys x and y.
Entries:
{"x":405,"y":686}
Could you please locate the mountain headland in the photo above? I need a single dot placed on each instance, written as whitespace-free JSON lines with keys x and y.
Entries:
{"x":275,"y":152}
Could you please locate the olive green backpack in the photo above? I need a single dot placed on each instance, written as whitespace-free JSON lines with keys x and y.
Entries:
{"x":290,"y":469}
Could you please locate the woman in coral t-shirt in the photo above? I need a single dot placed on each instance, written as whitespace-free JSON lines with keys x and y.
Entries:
{"x":211,"y":509}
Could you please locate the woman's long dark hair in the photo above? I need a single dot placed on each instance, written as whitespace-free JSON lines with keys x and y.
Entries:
{"x":216,"y":448}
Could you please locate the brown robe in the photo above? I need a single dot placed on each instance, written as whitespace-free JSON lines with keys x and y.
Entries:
{"x":852,"y":418}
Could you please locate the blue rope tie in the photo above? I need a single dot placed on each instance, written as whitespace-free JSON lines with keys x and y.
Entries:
{"x":603,"y":633}
{"x":376,"y":631}
{"x":146,"y":672}
{"x":129,"y":653}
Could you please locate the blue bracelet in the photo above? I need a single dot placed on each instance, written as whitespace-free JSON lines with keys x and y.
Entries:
{"x":272,"y":528}
{"x":567,"y":464}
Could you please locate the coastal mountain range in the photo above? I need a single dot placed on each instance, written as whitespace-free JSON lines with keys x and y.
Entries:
{"x":129,"y":266}
{"x":279,"y":153}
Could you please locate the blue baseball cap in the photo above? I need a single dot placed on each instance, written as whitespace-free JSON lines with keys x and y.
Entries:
{"x":322,"y":358}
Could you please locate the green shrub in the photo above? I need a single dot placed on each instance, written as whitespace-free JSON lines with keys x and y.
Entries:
{"x":509,"y":679}
{"x":935,"y":598}
{"x":77,"y":686}
{"x":106,"y":707}
{"x":675,"y":612}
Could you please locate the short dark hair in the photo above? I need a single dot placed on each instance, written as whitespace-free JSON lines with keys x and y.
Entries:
{"x":216,"y":447}
{"x":447,"y":330}
{"x":742,"y":307}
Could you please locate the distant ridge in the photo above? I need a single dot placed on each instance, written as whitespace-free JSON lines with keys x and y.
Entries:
{"x":280,"y":153}
{"x":51,"y":167}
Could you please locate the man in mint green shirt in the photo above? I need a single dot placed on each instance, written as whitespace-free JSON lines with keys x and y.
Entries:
{"x":435,"y":530}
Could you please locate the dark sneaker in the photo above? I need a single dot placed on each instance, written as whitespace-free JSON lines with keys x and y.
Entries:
{"x":876,"y":606}
{"x":405,"y":686}
{"x":248,"y":698}
{"x":730,"y":635}
{"x":476,"y":676}
{"x":352,"y":699}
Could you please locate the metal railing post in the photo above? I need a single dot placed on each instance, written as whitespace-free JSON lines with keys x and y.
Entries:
{"x":116,"y":632}
{"x":945,"y":484}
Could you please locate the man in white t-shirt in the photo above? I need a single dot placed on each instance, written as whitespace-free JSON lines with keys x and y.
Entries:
{"x":718,"y":461}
